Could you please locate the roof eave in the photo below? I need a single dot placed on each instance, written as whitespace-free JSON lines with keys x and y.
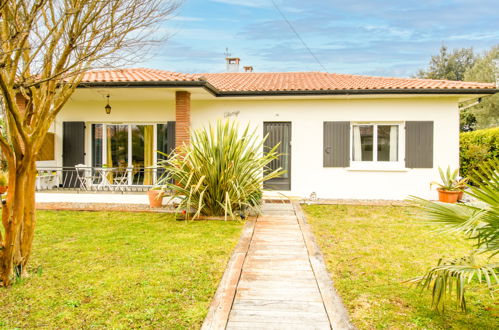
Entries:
{"x":150,"y":84}
{"x":216,"y":92}
{"x":361,"y":92}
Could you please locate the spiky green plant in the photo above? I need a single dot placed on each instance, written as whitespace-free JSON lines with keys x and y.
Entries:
{"x":449,"y":180}
{"x":220,"y":173}
{"x":479,"y":222}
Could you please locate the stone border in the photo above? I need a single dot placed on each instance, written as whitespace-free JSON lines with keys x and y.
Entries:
{"x":335,"y":309}
{"x":105,"y":207}
{"x":114,"y":207}
{"x":221,"y":304}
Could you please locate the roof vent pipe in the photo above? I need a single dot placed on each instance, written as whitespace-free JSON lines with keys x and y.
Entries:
{"x":248,"y":68}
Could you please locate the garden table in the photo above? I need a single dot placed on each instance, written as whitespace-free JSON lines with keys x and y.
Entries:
{"x":103,"y":173}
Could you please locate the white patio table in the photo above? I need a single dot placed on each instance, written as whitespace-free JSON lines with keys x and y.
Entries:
{"x":103,"y":172}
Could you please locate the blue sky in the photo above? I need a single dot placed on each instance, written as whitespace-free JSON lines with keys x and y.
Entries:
{"x":387,"y":38}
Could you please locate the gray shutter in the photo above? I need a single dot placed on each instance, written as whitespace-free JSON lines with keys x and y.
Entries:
{"x":336,"y":151}
{"x":170,"y":137}
{"x":419,"y":144}
{"x":73,"y":151}
{"x":73,"y":143}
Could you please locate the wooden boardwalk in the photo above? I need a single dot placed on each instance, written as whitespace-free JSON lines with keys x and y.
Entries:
{"x":277,"y":288}
{"x":270,"y":281}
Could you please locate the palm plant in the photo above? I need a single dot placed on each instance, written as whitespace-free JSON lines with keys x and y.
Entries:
{"x":220,"y":173}
{"x":480,"y":223}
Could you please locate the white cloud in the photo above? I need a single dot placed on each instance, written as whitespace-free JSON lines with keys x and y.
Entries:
{"x":261,"y":4}
{"x":187,"y":19}
{"x":246,"y":3}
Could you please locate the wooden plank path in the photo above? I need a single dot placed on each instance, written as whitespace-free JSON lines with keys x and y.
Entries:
{"x":270,"y":281}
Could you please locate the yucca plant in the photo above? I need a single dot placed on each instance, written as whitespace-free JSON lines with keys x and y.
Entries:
{"x":220,"y":173}
{"x":479,"y":222}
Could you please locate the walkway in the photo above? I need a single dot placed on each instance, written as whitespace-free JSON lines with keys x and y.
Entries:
{"x":273,"y":284}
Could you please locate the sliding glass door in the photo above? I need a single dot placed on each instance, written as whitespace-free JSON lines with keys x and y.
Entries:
{"x":128,"y":148}
{"x":117,"y":146}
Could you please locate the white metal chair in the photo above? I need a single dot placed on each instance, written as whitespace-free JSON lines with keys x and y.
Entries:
{"x":84,"y":175}
{"x":121,"y":177}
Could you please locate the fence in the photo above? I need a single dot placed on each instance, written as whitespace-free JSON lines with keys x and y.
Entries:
{"x":83,"y":178}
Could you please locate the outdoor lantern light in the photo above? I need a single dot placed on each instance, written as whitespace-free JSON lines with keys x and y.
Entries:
{"x":108,"y":107}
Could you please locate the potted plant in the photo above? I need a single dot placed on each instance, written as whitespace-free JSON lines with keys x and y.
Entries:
{"x":3,"y":182}
{"x":449,"y":188}
{"x":155,"y":195}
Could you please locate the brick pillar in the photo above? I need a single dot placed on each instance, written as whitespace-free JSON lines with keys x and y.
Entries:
{"x":182,"y":117}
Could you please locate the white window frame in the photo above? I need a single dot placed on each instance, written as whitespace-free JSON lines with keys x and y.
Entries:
{"x":129,"y":124}
{"x":375,"y":164}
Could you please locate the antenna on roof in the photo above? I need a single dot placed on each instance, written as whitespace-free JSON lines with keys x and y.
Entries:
{"x":227,"y":54}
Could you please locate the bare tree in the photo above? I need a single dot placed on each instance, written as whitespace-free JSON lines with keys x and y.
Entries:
{"x":46,"y":47}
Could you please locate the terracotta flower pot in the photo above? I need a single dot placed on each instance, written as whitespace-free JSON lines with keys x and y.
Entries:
{"x":448,"y":196}
{"x":3,"y":189}
{"x":155,"y":198}
{"x":460,"y":196}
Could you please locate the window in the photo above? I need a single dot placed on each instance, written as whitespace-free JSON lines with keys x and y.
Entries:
{"x":129,"y":146}
{"x":375,"y":142}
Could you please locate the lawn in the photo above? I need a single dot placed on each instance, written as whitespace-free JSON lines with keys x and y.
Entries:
{"x":371,"y":250}
{"x":119,"y":270}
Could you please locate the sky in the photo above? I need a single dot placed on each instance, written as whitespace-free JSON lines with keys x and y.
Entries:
{"x":372,"y":37}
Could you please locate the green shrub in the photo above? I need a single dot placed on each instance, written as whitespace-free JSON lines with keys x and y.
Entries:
{"x":221,"y":173}
{"x":477,"y":147}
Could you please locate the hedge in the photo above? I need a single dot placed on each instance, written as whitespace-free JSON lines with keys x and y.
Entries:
{"x":477,"y":147}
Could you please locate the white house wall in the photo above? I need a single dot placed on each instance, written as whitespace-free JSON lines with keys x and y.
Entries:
{"x":307,"y":116}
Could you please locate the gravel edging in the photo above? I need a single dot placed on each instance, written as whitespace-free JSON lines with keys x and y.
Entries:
{"x":94,"y":207}
{"x":369,"y":202}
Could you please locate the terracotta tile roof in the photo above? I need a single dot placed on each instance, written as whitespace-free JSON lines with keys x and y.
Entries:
{"x":280,"y":81}
{"x":319,"y":81}
{"x":135,"y":75}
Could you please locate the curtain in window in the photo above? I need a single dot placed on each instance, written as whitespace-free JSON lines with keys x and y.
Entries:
{"x":393,"y":143}
{"x":148,"y":154}
{"x":109,"y":155}
{"x":357,"y":145}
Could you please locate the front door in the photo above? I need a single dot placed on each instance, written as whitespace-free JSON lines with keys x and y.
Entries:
{"x":279,"y":132}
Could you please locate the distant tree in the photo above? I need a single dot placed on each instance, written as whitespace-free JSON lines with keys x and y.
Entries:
{"x":484,"y":70}
{"x":449,"y":65}
{"x":467,"y":121}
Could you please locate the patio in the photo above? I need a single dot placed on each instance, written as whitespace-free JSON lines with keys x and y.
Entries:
{"x":82,"y":178}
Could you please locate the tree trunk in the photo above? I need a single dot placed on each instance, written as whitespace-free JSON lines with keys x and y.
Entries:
{"x":18,"y":217}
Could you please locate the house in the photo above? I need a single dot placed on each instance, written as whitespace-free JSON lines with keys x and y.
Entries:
{"x":343,"y":136}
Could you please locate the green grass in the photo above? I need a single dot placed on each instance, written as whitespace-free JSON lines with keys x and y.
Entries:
{"x":119,"y":270}
{"x":371,"y":250}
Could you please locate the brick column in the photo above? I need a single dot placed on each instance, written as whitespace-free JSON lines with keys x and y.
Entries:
{"x":182,"y":117}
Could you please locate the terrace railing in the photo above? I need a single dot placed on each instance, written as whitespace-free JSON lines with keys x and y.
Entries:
{"x":84,"y":178}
